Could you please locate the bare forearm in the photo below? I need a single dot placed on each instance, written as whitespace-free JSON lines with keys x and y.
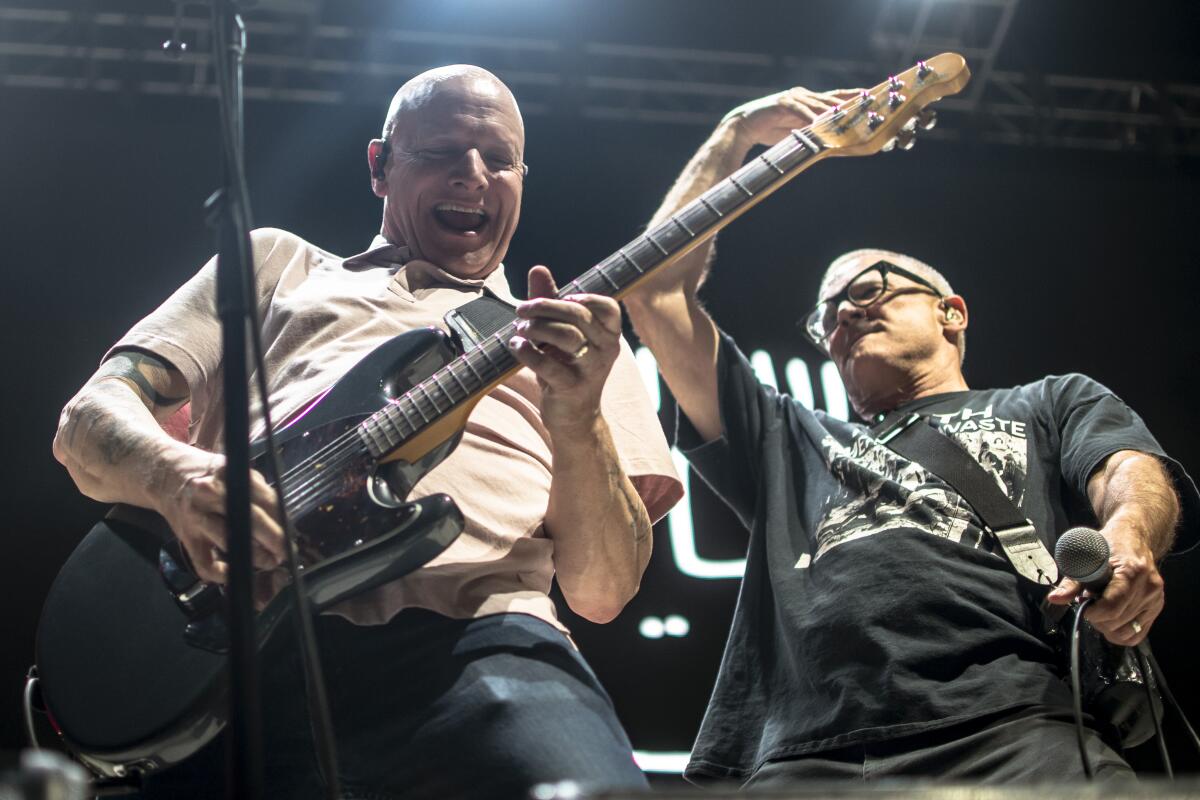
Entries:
{"x":666,"y":313}
{"x":601,"y":531}
{"x":113,"y":446}
{"x":1133,"y":492}
{"x":721,"y":154}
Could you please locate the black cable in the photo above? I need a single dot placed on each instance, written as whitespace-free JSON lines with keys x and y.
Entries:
{"x":232,"y":130}
{"x":1161,"y":680}
{"x":1076,"y":687}
{"x":1155,"y":715}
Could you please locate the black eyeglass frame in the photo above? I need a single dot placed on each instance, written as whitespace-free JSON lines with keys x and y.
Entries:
{"x":883,"y":267}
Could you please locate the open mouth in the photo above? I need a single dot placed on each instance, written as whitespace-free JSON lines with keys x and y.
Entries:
{"x":464,"y":220}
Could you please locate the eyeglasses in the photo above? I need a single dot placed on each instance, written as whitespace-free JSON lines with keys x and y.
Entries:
{"x":864,"y":289}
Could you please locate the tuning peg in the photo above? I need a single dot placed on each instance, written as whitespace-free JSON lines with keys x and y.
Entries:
{"x":910,"y":126}
{"x":906,"y":139}
{"x":895,"y":99}
{"x":874,"y":120}
{"x":866,"y":98}
{"x":888,"y":146}
{"x":926,"y":118}
{"x":923,"y":69}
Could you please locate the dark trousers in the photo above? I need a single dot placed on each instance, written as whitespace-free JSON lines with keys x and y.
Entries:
{"x":1032,"y":743}
{"x":426,"y":706}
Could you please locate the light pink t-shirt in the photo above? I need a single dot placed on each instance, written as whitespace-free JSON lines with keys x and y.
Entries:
{"x":321,"y":315}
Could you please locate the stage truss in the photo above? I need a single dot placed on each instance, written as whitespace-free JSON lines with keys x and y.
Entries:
{"x":296,"y":58}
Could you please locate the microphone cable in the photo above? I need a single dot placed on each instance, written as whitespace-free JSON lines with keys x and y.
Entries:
{"x":1076,"y":688}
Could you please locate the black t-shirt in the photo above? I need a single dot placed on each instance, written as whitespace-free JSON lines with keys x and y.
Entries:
{"x":872,"y":604}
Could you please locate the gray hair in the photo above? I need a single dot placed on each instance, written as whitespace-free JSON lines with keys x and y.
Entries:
{"x":899,"y":259}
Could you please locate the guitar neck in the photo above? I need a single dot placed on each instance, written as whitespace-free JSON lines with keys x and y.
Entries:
{"x":471,"y":375}
{"x":700,"y":219}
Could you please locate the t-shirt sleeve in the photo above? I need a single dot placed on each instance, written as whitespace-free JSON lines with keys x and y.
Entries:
{"x":729,"y":464}
{"x":638,"y":436}
{"x":1092,"y":424}
{"x":185,"y":329}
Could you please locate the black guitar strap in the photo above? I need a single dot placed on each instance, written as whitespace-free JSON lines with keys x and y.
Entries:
{"x":915,"y":438}
{"x":477,"y":320}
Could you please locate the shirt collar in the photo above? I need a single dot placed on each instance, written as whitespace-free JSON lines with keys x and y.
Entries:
{"x":414,"y":274}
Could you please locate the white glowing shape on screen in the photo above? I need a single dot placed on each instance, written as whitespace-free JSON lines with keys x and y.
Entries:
{"x":652,"y":628}
{"x":680,"y":529}
{"x":799,"y":383}
{"x":648,"y":368}
{"x":662,"y":761}
{"x":836,"y":404}
{"x":764,"y":368}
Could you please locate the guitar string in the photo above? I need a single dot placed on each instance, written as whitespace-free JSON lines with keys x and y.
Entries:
{"x":349,"y":445}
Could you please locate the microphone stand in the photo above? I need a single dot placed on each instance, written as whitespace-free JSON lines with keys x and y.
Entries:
{"x":229,"y":212}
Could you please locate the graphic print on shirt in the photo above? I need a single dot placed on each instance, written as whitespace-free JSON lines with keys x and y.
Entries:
{"x":882,"y":491}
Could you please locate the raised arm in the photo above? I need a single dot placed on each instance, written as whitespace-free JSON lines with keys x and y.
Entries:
{"x":1138,"y":509}
{"x":665,"y":309}
{"x":110,"y":438}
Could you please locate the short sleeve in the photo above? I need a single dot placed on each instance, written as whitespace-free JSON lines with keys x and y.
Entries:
{"x":750,"y":412}
{"x":1092,"y":424}
{"x":185,"y":329}
{"x":638,"y":436}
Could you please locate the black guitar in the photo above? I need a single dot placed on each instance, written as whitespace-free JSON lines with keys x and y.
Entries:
{"x":130,"y":646}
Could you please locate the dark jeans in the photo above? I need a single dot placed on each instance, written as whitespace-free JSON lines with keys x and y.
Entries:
{"x":1033,"y":743}
{"x":426,"y":706}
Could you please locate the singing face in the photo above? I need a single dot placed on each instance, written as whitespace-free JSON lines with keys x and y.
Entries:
{"x":453,"y":180}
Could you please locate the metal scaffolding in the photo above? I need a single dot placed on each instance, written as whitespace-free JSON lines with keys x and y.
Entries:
{"x":294,"y":57}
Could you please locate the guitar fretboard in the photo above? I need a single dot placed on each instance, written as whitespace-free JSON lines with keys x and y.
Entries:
{"x":486,"y":364}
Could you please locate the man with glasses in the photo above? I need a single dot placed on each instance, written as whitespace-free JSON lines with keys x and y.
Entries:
{"x":878,"y":632}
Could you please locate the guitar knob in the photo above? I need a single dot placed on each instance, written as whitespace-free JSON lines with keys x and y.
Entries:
{"x":874,"y":120}
{"x":926,"y":119}
{"x":906,"y":139}
{"x":895,"y":99}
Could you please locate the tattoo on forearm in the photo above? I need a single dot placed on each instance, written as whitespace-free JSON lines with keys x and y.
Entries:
{"x":149,"y":376}
{"x":113,"y":443}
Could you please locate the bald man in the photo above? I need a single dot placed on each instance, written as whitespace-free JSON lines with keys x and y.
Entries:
{"x":457,"y":680}
{"x":879,"y":633}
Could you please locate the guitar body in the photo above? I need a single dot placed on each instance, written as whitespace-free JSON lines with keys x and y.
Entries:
{"x":131,"y":647}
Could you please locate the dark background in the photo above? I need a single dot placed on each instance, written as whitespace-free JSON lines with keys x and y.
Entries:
{"x":1070,"y":260}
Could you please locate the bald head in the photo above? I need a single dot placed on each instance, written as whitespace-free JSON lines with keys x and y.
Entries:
{"x":450,"y":169}
{"x":455,"y":79}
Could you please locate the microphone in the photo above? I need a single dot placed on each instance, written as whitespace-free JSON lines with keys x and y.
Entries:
{"x":1082,"y":555}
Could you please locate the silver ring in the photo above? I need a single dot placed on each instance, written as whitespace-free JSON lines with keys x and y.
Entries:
{"x":1137,"y":627}
{"x":580,"y":353}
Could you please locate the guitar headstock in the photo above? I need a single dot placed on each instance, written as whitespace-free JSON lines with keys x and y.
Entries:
{"x":890,"y":113}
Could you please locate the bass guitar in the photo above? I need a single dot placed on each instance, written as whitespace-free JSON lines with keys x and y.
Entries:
{"x":131,"y":646}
